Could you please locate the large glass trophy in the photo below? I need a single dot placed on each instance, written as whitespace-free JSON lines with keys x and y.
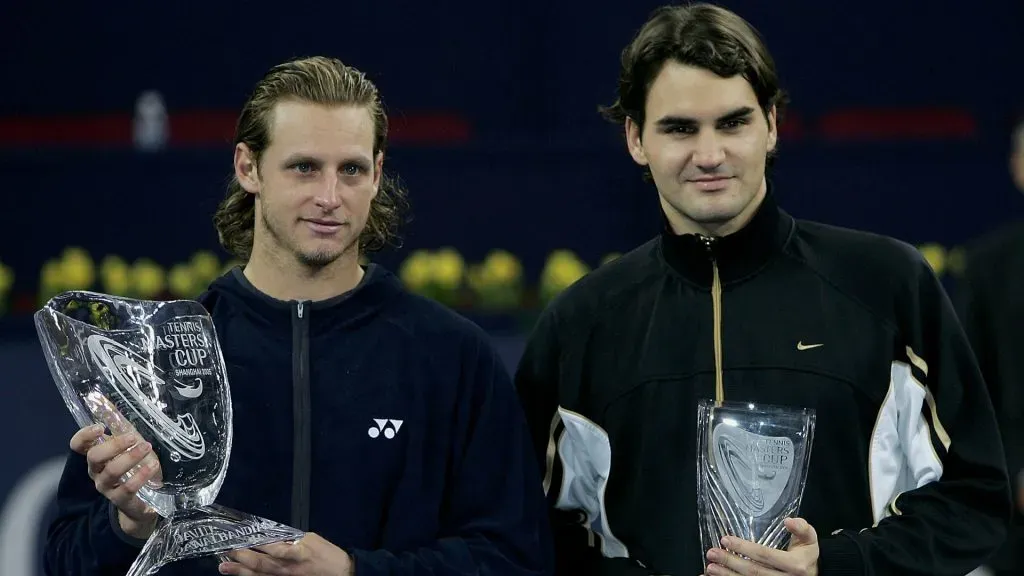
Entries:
{"x":752,"y":465}
{"x":155,"y":368}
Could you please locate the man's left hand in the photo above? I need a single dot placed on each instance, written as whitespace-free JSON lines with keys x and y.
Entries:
{"x":310,"y":556}
{"x":800,"y":559}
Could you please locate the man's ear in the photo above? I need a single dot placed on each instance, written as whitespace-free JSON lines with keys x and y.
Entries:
{"x":634,"y":142}
{"x":773,"y":129}
{"x":246,"y":170}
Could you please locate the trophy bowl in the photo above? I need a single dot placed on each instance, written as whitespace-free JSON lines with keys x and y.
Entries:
{"x":752,"y":463}
{"x":155,"y":368}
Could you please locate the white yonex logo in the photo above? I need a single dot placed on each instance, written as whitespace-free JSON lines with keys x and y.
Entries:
{"x":382,"y":425}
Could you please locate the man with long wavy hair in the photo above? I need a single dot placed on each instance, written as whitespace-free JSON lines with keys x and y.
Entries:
{"x":381,"y":423}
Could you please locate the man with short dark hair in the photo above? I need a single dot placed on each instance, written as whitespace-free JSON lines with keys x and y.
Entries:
{"x":736,"y":300}
{"x":991,"y":294}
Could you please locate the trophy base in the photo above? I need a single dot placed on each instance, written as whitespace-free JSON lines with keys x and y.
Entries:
{"x":206,"y":531}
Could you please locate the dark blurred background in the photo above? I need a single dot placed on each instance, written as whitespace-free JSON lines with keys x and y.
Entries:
{"x":115,"y":148}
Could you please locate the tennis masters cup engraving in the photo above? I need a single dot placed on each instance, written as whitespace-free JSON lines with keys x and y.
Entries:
{"x":155,"y":368}
{"x":752,"y":465}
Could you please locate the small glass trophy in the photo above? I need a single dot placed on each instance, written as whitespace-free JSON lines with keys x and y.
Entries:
{"x":752,"y":465}
{"x":156,"y":368}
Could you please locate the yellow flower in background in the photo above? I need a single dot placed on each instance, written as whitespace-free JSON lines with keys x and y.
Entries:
{"x":6,"y":278}
{"x":448,"y":268}
{"x":148,"y":279}
{"x":205,"y":267}
{"x":50,"y":279}
{"x":415,"y":271}
{"x":936,"y":257}
{"x":187,"y":280}
{"x":497,"y":282}
{"x":6,"y":282}
{"x":183,"y":281}
{"x":115,"y":276}
{"x":437,"y":275}
{"x":501,"y":266}
{"x":74,"y":270}
{"x":77,"y":269}
{"x":562,"y":269}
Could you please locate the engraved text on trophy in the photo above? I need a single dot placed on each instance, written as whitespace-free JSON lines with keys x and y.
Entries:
{"x":755,"y":469}
{"x":209,"y":537}
{"x":166,"y":386}
{"x":187,"y":350}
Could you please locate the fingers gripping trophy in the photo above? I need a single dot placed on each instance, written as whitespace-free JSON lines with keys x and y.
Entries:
{"x":152,"y":374}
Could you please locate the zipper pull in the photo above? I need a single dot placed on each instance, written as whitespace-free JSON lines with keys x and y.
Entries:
{"x":709,"y":244}
{"x":300,"y":309}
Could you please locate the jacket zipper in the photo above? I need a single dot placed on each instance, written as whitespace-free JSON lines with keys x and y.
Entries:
{"x":301,"y":437}
{"x":716,"y":306}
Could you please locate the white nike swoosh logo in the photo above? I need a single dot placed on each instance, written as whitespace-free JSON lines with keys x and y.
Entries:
{"x":802,"y":346}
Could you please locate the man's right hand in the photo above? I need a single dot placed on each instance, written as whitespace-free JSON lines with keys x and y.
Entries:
{"x":110,"y":458}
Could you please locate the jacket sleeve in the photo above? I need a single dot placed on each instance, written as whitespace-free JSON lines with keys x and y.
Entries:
{"x":940,"y":496}
{"x":538,"y":378}
{"x":84,"y":538}
{"x":494,"y":522}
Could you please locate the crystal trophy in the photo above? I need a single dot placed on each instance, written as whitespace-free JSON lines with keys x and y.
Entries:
{"x":752,"y":465}
{"x":155,"y":368}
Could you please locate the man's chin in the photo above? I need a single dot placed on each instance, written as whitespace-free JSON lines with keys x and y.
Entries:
{"x":714,"y":217}
{"x":718,"y":208}
{"x":320,"y":258}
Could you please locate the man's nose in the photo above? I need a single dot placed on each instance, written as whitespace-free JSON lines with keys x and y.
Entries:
{"x":329,"y":196}
{"x":710,"y":153}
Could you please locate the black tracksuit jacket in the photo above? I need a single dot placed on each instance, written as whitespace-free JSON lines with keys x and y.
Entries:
{"x":907,"y":474}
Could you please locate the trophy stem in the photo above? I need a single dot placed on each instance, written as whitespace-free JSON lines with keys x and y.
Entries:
{"x":207,"y":531}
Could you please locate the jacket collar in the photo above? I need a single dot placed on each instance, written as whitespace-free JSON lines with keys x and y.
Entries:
{"x":738,"y":255}
{"x":377,"y":288}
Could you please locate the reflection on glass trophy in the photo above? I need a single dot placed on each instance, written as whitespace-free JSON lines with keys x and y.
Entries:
{"x":155,"y":368}
{"x":752,"y":465}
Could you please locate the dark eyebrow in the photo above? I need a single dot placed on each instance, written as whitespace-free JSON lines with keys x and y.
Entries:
{"x":360,"y":161}
{"x":679,"y":121}
{"x":675,"y":122}
{"x":737,"y":114}
{"x":300,"y":158}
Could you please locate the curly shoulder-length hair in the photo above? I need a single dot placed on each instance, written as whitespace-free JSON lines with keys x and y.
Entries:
{"x":318,"y":80}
